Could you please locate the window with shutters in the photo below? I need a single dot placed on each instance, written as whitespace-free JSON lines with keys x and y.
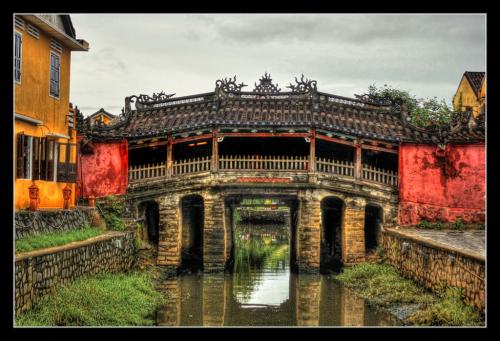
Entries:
{"x":24,"y":156}
{"x":55,"y":66}
{"x":45,"y":159}
{"x":18,"y":50}
{"x":66,"y":166}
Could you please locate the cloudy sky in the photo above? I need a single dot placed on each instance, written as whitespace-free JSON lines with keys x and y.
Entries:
{"x":185,"y":54}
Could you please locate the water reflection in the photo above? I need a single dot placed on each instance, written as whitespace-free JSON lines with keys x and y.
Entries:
{"x":262,"y":291}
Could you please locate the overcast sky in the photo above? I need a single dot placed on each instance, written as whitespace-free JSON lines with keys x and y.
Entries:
{"x":185,"y":54}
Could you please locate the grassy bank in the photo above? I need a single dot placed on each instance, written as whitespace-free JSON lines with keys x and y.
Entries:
{"x":46,"y":240}
{"x":106,"y":300}
{"x":381,"y":284}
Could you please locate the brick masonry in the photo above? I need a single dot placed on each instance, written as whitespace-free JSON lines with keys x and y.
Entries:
{"x":309,"y":233}
{"x":38,"y":273}
{"x":434,"y":266}
{"x":214,"y":234}
{"x":47,"y":221}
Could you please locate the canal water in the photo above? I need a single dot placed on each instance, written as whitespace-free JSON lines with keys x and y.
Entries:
{"x":263,"y":291}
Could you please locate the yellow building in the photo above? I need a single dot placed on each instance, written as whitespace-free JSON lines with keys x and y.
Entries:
{"x":101,"y":116}
{"x":45,"y":121}
{"x":471,"y":93}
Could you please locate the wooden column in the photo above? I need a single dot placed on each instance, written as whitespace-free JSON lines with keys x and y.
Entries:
{"x":169,"y":156}
{"x":312,"y":151}
{"x":357,"y":161}
{"x":215,"y":152}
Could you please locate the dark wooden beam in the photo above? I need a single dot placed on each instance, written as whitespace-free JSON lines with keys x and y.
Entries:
{"x":169,"y":157}
{"x":357,"y":161}
{"x":263,"y":134}
{"x":335,"y":139}
{"x":147,"y":145}
{"x":380,"y":149}
{"x":215,"y":152}
{"x":312,"y":151}
{"x":192,"y":138}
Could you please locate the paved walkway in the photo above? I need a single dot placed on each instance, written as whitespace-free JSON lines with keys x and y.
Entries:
{"x":472,"y":241}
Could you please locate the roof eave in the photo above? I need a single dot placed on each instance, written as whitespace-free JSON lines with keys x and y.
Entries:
{"x":72,"y":43}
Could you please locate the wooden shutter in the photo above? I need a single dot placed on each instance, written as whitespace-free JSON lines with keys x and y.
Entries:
{"x":66,"y":170}
{"x":36,"y":160}
{"x":20,"y":156}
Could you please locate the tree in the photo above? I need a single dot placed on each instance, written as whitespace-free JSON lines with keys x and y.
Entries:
{"x":422,"y":112}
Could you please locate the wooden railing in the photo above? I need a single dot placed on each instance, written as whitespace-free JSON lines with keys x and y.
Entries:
{"x":257,"y":162}
{"x":195,"y":165}
{"x":375,"y":174}
{"x":335,"y":167}
{"x":262,"y":163}
{"x":147,"y":171}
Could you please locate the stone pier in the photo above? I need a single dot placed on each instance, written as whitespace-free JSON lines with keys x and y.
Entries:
{"x":170,"y":236}
{"x":309,"y":233}
{"x":353,"y":231}
{"x":214,"y":234}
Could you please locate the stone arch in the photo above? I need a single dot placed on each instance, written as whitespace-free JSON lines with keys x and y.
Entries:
{"x":374,"y":218}
{"x":149,"y":213}
{"x":332,"y":221}
{"x":192,"y":229}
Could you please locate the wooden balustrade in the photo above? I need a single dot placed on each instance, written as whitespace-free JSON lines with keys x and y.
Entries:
{"x":335,"y":167}
{"x":147,"y":171}
{"x":195,"y":165}
{"x":265,"y":162}
{"x":375,"y":174}
{"x":262,"y":163}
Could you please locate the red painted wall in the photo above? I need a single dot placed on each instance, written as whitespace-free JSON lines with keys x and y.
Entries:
{"x":105,"y":172}
{"x":441,"y":188}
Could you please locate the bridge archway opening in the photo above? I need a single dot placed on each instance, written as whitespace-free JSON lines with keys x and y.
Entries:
{"x":332,"y":216}
{"x":151,"y":216}
{"x":192,"y":217}
{"x":373,"y":221}
{"x":261,"y":227}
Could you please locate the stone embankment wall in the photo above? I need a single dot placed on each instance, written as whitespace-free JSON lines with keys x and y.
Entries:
{"x":47,"y":221}
{"x":433,"y":265}
{"x":40,"y":272}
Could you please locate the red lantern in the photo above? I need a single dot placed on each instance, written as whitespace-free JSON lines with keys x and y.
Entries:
{"x":67,"y":196}
{"x":91,"y":201}
{"x":34,"y":196}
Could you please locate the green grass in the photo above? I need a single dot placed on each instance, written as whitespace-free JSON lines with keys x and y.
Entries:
{"x":381,"y":284}
{"x":106,"y":300}
{"x":449,"y":310}
{"x":46,"y":240}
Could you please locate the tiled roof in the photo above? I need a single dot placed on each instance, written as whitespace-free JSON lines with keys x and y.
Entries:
{"x":234,"y":109}
{"x":475,"y":79}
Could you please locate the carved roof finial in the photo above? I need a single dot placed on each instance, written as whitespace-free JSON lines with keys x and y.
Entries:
{"x":266,"y":84}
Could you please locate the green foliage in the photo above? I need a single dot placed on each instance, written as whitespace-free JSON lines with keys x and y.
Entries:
{"x":459,"y":225}
{"x":105,"y":300}
{"x":112,"y":208}
{"x":46,"y":240}
{"x":422,"y":112}
{"x":449,"y":310}
{"x":382,"y":285}
{"x":424,"y":224}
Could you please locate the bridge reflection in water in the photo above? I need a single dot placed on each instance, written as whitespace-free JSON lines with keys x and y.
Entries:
{"x":262,"y":291}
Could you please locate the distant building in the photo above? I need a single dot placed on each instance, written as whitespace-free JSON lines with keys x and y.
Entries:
{"x":45,"y":120}
{"x":471,"y":93}
{"x":101,"y":116}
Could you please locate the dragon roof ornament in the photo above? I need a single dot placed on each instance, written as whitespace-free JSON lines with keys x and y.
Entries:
{"x":304,"y":85}
{"x":229,"y":84}
{"x":145,"y":100}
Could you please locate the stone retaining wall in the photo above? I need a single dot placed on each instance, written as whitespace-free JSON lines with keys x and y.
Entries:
{"x":433,"y":265}
{"x":40,"y":272}
{"x":47,"y":221}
